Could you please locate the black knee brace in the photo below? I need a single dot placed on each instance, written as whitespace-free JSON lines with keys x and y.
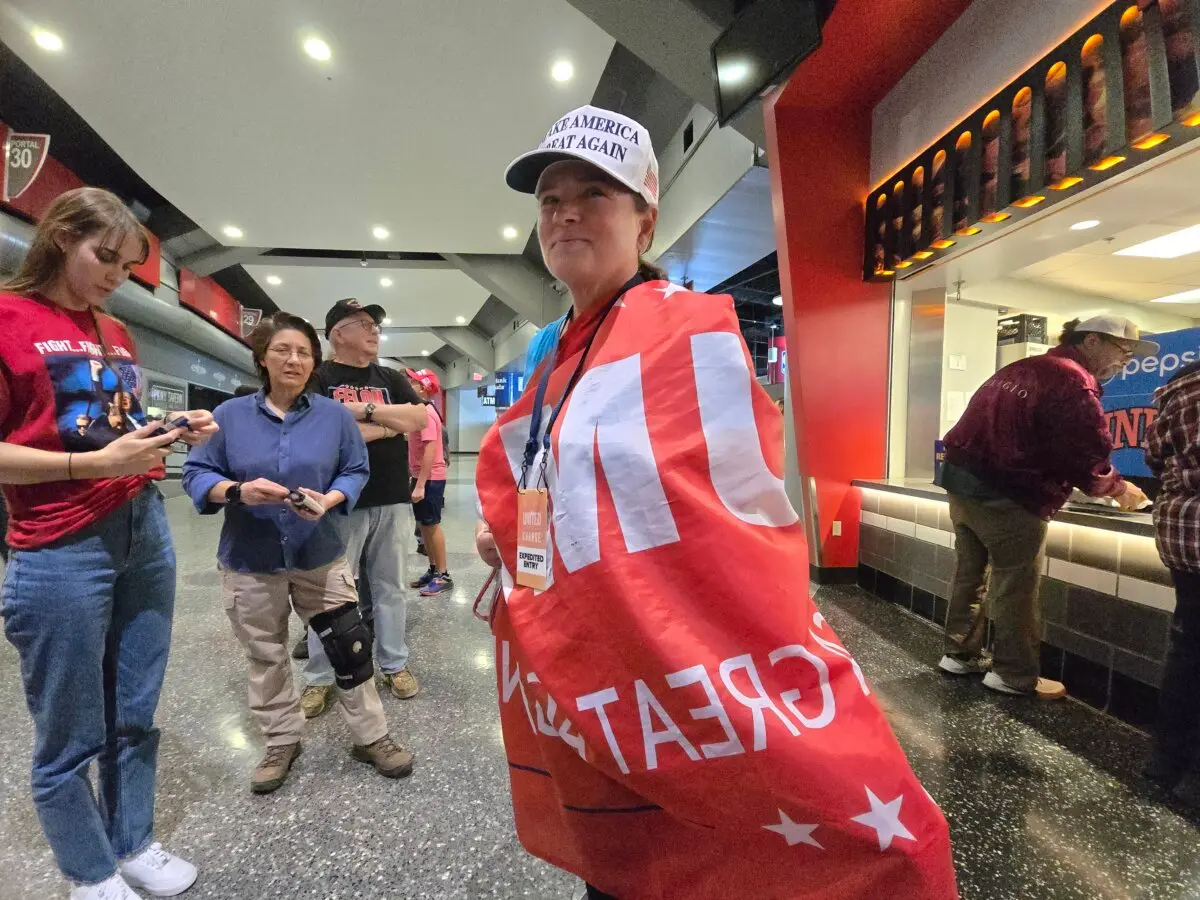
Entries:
{"x":347,"y":643}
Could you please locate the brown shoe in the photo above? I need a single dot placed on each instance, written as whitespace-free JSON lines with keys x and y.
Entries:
{"x":404,"y":684}
{"x":273,"y":771}
{"x":316,"y":699}
{"x":1045,"y":689}
{"x":389,"y":759}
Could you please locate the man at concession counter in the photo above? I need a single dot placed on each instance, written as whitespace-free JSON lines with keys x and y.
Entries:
{"x":1030,"y":434}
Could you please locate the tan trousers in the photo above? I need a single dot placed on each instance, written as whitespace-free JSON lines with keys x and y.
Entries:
{"x":257,"y":606}
{"x":1010,"y":539}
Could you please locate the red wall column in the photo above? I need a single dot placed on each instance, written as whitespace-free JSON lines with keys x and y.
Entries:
{"x":838,"y":326}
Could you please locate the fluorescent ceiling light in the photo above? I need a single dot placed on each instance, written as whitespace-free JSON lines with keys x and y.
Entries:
{"x":381,"y":233}
{"x":563,"y":70}
{"x":47,"y":40}
{"x":734,"y":72}
{"x":275,"y":280}
{"x":510,"y":233}
{"x":317,"y":49}
{"x":424,"y":352}
{"x":1085,"y":225}
{"x":385,"y":282}
{"x":461,"y":320}
{"x":778,"y":301}
{"x":1192,"y":296}
{"x":1169,"y":246}
{"x":232,"y":231}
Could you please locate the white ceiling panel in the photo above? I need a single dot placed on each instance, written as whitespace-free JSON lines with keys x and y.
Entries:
{"x":408,"y":126}
{"x":417,"y":297}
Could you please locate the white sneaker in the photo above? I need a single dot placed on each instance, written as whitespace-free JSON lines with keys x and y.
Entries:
{"x":157,"y":872}
{"x":114,"y":888}
{"x":975,"y":666}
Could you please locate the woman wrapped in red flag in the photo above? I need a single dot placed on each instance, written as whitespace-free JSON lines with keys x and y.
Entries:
{"x":670,"y":734}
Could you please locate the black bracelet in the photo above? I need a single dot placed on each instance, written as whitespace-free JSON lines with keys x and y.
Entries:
{"x":70,"y":476}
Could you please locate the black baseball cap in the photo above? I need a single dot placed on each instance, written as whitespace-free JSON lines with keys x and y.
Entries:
{"x":345,"y":308}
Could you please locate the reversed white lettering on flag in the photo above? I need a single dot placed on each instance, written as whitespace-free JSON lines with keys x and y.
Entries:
{"x":743,"y":684}
{"x":736,"y":464}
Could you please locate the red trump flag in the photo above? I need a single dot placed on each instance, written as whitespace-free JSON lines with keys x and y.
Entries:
{"x":679,"y":719}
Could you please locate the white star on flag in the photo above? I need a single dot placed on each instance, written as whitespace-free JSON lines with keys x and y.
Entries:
{"x":793,"y":832}
{"x":670,"y":289}
{"x":885,"y":819}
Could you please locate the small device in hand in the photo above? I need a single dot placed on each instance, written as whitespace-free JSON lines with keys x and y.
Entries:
{"x":301,"y":500}
{"x":181,"y":422}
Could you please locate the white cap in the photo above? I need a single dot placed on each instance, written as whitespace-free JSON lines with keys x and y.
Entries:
{"x":1118,"y":327}
{"x":610,"y":141}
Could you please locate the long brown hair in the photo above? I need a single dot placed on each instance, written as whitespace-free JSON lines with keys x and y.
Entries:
{"x":75,"y":216}
{"x":648,"y":270}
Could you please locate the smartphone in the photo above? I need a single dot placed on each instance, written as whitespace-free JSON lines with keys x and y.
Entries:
{"x":303,"y":501}
{"x":181,"y":422}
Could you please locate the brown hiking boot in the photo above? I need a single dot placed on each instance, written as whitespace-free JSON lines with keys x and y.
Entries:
{"x":273,"y":771}
{"x":404,"y":684}
{"x":389,"y":759}
{"x":316,"y":699}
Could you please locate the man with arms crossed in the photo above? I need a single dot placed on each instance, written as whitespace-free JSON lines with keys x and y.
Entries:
{"x":386,"y":407}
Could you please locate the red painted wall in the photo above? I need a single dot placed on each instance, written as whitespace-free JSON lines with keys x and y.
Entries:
{"x":209,"y":299}
{"x":838,"y":327}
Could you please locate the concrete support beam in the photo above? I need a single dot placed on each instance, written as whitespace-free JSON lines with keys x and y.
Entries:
{"x":684,"y":59}
{"x":215,"y":259}
{"x":518,"y":283}
{"x":470,"y":344}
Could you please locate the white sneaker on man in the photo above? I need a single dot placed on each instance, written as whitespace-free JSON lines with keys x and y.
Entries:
{"x":114,"y":888}
{"x":159,"y":873}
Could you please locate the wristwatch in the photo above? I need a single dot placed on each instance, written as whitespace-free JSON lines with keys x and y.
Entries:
{"x":233,"y":494}
{"x":369,"y":415}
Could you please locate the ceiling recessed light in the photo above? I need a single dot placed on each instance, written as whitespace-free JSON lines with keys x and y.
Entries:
{"x":385,"y":282}
{"x":386,"y":321}
{"x":212,"y":313}
{"x":317,"y":49}
{"x":1169,"y":246}
{"x":510,"y":233}
{"x":381,"y":233}
{"x":232,"y":231}
{"x":461,"y":320}
{"x":424,"y":352}
{"x":47,"y":40}
{"x":1192,"y":296}
{"x":1085,"y":225}
{"x":563,"y":70}
{"x":275,"y":280}
{"x":778,"y":300}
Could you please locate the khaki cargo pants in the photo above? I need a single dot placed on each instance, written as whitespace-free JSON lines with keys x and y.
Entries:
{"x":258,"y":606}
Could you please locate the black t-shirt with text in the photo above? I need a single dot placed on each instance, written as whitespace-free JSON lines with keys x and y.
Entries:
{"x":389,"y":482}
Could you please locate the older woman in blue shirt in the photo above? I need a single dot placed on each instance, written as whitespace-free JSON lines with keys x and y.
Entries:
{"x":276,"y":547}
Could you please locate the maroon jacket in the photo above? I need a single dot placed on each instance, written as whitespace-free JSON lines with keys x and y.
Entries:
{"x":1036,"y":429}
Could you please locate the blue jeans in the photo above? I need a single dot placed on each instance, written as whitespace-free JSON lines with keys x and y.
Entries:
{"x":90,"y":616}
{"x":378,"y":556}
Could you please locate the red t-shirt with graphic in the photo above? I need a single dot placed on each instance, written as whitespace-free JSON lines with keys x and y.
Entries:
{"x":59,"y":392}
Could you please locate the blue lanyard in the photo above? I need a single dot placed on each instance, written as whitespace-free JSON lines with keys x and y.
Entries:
{"x":535,"y":421}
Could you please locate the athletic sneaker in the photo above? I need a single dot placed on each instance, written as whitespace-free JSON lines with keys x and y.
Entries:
{"x":429,"y":575}
{"x":976,"y":665}
{"x":316,"y":699}
{"x":438,"y":584}
{"x":158,"y":872}
{"x":114,"y":888}
{"x":1045,"y":689}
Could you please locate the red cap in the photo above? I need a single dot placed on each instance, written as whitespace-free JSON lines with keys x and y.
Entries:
{"x":428,"y":381}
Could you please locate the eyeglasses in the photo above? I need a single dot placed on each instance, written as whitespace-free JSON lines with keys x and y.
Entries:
{"x":1128,"y":351}
{"x":285,"y":353}
{"x":362,"y":323}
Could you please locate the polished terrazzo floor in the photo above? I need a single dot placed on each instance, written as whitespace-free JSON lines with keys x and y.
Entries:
{"x":1043,"y":799}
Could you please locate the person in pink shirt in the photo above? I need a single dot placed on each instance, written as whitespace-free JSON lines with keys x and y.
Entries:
{"x":427,"y":463}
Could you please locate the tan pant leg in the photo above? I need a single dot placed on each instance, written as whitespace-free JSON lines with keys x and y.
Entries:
{"x":257,"y":606}
{"x":1015,"y":539}
{"x":317,"y":591}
